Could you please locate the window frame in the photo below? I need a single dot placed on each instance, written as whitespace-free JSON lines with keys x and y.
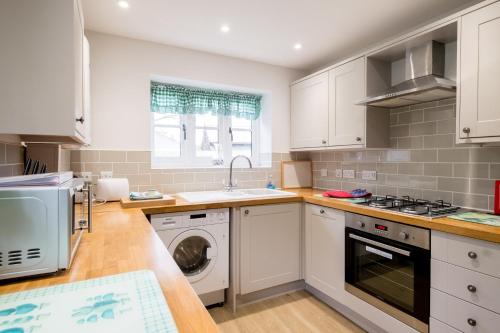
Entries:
{"x":188,"y":159}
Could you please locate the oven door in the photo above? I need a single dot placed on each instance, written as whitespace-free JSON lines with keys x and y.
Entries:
{"x":389,"y":271}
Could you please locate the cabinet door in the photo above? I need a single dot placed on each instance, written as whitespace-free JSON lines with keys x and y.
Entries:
{"x":309,"y":112}
{"x":86,"y":90}
{"x":346,"y":119}
{"x":324,"y":244}
{"x":270,"y":246}
{"x":480,"y":73}
{"x":78,"y":49}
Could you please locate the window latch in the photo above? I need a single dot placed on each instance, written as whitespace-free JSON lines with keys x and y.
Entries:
{"x":231,"y":133}
{"x":184,"y":131}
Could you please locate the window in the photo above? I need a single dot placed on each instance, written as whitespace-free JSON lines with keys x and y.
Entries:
{"x":193,"y":127}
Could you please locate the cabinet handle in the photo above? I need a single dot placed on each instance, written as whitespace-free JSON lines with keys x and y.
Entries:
{"x":358,"y":138}
{"x":471,"y":322}
{"x":471,"y":288}
{"x":322,"y":211}
{"x":472,"y":255}
{"x":323,"y":142}
{"x":247,"y":212}
{"x":466,"y":130}
{"x":80,"y":120}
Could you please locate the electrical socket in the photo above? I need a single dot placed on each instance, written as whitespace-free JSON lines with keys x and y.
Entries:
{"x":369,"y":175}
{"x":338,"y":173}
{"x":323,"y":172}
{"x":106,"y":174}
{"x":348,"y":174}
{"x":86,"y":175}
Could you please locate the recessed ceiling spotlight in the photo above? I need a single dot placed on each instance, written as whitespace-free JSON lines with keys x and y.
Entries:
{"x":123,"y":4}
{"x":297,"y":46}
{"x":225,"y":28}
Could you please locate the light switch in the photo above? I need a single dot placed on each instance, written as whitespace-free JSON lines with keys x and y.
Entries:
{"x":106,"y":174}
{"x":348,"y":174}
{"x":369,"y":175}
{"x":323,"y":172}
{"x":86,"y":175}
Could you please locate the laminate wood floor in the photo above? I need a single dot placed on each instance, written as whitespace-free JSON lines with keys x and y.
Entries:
{"x":295,"y":312}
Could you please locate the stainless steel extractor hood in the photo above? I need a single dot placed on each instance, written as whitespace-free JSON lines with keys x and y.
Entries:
{"x":425,"y":82}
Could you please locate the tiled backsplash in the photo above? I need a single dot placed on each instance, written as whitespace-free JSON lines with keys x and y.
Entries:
{"x":11,"y":159}
{"x":423,"y":161}
{"x":136,"y":166}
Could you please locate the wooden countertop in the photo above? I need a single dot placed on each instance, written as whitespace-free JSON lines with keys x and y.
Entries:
{"x":124,"y":241}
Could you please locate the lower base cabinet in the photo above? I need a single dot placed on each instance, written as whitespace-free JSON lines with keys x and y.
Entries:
{"x":324,"y":247}
{"x":270,"y":246}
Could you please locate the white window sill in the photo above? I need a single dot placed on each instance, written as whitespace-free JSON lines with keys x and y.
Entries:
{"x":211,"y":167}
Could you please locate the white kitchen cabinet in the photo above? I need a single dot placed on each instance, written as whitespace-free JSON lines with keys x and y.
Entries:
{"x":309,"y":112}
{"x":324,"y":247}
{"x":42,"y":83}
{"x":346,"y":119}
{"x":269,"y":246}
{"x":479,"y":112}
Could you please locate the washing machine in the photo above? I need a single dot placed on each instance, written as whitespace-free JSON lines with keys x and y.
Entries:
{"x":199,"y":243}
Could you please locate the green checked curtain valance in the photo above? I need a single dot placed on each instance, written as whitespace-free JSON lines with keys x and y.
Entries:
{"x":171,"y":98}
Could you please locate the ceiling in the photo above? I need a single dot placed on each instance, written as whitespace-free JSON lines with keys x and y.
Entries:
{"x":266,"y":30}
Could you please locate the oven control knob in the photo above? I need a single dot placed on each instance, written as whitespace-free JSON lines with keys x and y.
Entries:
{"x":360,"y":224}
{"x":403,"y":235}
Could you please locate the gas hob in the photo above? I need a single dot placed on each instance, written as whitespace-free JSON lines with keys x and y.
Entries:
{"x":411,"y":206}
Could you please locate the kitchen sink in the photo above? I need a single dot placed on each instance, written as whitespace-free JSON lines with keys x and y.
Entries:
{"x":254,"y":193}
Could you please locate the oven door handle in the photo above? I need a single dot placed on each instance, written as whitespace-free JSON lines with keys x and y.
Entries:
{"x":382,"y":245}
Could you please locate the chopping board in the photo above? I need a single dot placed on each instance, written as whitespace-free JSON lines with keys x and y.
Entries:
{"x":165,"y":201}
{"x":126,"y":303}
{"x":296,"y":174}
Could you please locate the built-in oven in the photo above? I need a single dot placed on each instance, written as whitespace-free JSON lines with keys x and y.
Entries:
{"x":388,"y":265}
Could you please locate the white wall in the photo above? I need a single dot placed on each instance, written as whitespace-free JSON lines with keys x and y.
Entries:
{"x":121,"y":70}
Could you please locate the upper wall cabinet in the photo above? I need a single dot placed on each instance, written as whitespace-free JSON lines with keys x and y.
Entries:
{"x":325,"y":114}
{"x":43,"y":71}
{"x":479,"y":112}
{"x":346,"y":119}
{"x":309,"y":112}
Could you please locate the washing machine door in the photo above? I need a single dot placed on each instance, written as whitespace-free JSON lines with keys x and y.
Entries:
{"x":195,"y":252}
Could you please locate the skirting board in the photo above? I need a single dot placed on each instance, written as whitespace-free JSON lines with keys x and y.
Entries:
{"x":345,"y":311}
{"x":272,"y":292}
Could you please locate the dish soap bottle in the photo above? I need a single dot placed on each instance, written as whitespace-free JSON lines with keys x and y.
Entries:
{"x":270,"y":184}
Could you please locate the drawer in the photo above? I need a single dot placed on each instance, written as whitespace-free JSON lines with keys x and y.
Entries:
{"x":454,"y":280}
{"x":462,"y":315}
{"x":326,"y":212}
{"x":436,"y":326}
{"x":474,"y":254}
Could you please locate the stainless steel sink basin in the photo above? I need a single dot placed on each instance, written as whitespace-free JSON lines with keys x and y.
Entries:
{"x":254,"y":193}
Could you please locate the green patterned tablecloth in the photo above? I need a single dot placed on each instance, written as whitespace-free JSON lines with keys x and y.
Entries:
{"x":475,"y":217}
{"x":130,"y":302}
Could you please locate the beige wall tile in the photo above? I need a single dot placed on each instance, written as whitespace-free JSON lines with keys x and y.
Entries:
{"x":410,"y":168}
{"x":138,"y":179}
{"x":438,"y":169}
{"x":387,"y":167}
{"x":2,"y":153}
{"x":482,"y":186}
{"x":439,"y":141}
{"x":113,"y":156}
{"x":446,"y":126}
{"x":470,"y":201}
{"x":438,"y":195}
{"x":162,"y":179}
{"x":399,"y":131}
{"x":410,"y":117}
{"x":183,"y":178}
{"x":439,"y":113}
{"x":14,"y":154}
{"x":386,"y":190}
{"x":453,"y":184}
{"x":495,"y":171}
{"x":453,"y":155}
{"x":126,"y":168}
{"x":428,"y":128}
{"x":411,"y":142}
{"x":425,"y":155}
{"x":412,"y":192}
{"x":139,"y":156}
{"x":84,"y":156}
{"x":6,"y":170}
{"x":97,"y":167}
{"x":423,"y":182}
{"x":471,"y":170}
{"x":485,"y":154}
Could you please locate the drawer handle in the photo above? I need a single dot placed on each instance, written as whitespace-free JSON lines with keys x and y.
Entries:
{"x":471,"y":288}
{"x":472,"y":255}
{"x":322,"y":211}
{"x":247,"y":212}
{"x":471,"y":322}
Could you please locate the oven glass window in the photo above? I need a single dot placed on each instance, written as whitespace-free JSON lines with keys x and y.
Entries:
{"x":384,"y":274}
{"x":191,"y":255}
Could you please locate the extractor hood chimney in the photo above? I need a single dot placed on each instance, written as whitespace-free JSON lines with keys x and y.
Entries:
{"x":425,"y":82}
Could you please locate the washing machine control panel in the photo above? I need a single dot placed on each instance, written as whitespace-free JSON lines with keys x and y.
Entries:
{"x":189,"y":219}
